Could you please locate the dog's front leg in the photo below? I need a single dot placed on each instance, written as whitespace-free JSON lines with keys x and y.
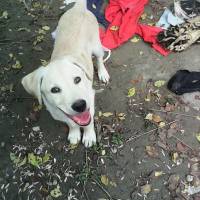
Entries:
{"x":74,"y":136}
{"x":89,"y":135}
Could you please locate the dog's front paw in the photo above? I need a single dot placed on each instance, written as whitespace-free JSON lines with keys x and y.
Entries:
{"x":103,"y":75}
{"x":89,"y":139}
{"x":74,"y":137}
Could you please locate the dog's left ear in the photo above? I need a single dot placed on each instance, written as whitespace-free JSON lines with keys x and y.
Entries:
{"x":32,"y":82}
{"x":87,"y":67}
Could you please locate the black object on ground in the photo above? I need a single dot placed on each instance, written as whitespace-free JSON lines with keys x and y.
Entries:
{"x":184,"y":81}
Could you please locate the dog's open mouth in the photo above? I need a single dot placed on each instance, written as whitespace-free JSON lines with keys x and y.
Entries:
{"x":82,"y":119}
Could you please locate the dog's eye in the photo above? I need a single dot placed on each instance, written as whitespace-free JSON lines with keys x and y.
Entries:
{"x":77,"y":80}
{"x":55,"y":90}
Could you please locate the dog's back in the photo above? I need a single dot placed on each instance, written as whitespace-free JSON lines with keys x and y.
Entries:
{"x":75,"y":30}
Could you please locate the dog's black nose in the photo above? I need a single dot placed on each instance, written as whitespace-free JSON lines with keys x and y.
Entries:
{"x":79,"y":105}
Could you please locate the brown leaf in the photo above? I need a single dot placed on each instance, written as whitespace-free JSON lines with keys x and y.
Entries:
{"x":163,"y":145}
{"x":169,"y":107}
{"x":195,"y":167}
{"x":174,"y":156}
{"x":156,"y":118}
{"x":173,"y":182}
{"x":151,"y":151}
{"x":104,"y":180}
{"x":34,"y":116}
{"x":163,"y":134}
{"x":173,"y":125}
{"x":171,"y":132}
{"x":181,"y":147}
{"x":145,"y":189}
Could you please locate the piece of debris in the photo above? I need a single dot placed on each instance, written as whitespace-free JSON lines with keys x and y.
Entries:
{"x":146,"y":189}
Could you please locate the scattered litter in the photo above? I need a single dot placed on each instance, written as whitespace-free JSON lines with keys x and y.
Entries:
{"x":36,"y":128}
{"x":104,"y":180}
{"x":131,"y":92}
{"x":146,"y":189}
{"x":159,"y":83}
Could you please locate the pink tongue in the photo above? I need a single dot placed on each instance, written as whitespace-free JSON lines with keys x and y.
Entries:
{"x":82,"y":118}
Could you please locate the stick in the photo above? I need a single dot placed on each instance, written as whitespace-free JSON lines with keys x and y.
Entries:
{"x":103,"y":189}
{"x":182,"y":142}
{"x":175,"y":113}
{"x":148,"y":132}
{"x":85,"y":192}
{"x":25,"y":4}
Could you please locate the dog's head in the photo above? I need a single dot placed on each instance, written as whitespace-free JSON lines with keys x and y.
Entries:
{"x":65,"y":89}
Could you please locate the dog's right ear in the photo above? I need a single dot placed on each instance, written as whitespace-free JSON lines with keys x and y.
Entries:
{"x":32,"y":82}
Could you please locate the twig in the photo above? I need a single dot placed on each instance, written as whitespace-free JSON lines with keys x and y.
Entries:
{"x":174,"y":113}
{"x":182,"y":142}
{"x":148,"y":132}
{"x":11,"y":43}
{"x":25,"y":4}
{"x":85,"y":192}
{"x":103,"y":189}
{"x":86,"y":158}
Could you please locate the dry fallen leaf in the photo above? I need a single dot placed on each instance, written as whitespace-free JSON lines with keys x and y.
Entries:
{"x":104,"y":180}
{"x":46,"y":28}
{"x":4,"y":15}
{"x":72,"y":146}
{"x":158,"y":173}
{"x":146,"y":189}
{"x":151,"y":24}
{"x":162,"y":124}
{"x":173,"y":182}
{"x":149,"y":116}
{"x":121,"y":116}
{"x":113,"y":184}
{"x":37,"y":107}
{"x":143,"y":16}
{"x":135,"y":39}
{"x":198,"y":118}
{"x":181,"y":147}
{"x":156,"y":118}
{"x":103,"y":152}
{"x":169,"y":107}
{"x":44,"y":62}
{"x":114,"y":28}
{"x":24,"y":29}
{"x":198,"y":136}
{"x":175,"y":157}
{"x":38,"y":39}
{"x":56,"y":192}
{"x":151,"y":151}
{"x":159,"y":83}
{"x":131,"y":92}
{"x":107,"y":114}
{"x":17,"y":65}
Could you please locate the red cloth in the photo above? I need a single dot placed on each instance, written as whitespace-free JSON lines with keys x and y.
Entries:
{"x":125,"y":14}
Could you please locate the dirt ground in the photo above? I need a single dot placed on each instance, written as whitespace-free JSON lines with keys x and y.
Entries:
{"x":148,"y":144}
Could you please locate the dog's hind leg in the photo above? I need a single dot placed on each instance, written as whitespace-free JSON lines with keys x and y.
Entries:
{"x":102,"y":71}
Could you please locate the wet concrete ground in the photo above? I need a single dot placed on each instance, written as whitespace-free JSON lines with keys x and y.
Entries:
{"x":125,"y":163}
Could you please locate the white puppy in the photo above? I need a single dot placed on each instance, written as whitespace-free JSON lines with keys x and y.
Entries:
{"x":65,"y":84}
